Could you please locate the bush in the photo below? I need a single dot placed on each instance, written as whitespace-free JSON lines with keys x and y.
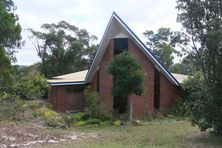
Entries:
{"x":70,"y":119}
{"x":93,"y":103}
{"x":10,"y":106}
{"x":201,"y":103}
{"x":31,"y":87}
{"x":50,"y":117}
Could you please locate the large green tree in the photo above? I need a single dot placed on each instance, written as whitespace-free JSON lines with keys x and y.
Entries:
{"x":161,"y":43}
{"x":63,"y":48}
{"x":202,"y":20}
{"x":10,"y":41}
{"x":128,"y":77}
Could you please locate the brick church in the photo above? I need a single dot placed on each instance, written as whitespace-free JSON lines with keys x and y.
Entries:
{"x":162,"y":87}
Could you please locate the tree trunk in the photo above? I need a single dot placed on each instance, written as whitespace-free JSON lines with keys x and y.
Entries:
{"x":130,"y":110}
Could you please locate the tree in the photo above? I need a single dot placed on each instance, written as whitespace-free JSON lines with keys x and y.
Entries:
{"x":128,"y":77}
{"x":203,"y":24}
{"x":10,"y":39}
{"x":63,"y":48}
{"x":160,"y":43}
{"x":185,"y":67}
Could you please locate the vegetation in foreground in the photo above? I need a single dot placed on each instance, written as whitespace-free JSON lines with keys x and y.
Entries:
{"x":157,"y":133}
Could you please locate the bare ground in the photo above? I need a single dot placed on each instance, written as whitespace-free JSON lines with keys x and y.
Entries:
{"x":22,"y":134}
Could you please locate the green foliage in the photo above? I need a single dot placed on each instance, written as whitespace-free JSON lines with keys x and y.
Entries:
{"x":51,"y":118}
{"x":128,"y":77}
{"x":200,"y":104}
{"x":93,"y":102}
{"x":31,"y":87}
{"x":10,"y":29}
{"x":10,"y":106}
{"x":117,"y":123}
{"x":202,"y":21}
{"x":77,"y":117}
{"x":161,"y":44}
{"x":63,"y":48}
{"x":10,"y":38}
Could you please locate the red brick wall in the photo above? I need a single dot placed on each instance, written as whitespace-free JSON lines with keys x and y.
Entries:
{"x":168,"y":92}
{"x":63,"y":101}
{"x":143,"y":105}
{"x":105,"y":80}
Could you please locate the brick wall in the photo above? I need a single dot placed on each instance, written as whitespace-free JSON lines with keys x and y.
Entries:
{"x":105,"y":80}
{"x":142,"y":105}
{"x":168,"y":92}
{"x":63,"y":100}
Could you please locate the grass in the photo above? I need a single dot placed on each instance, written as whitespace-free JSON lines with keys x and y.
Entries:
{"x":157,"y":133}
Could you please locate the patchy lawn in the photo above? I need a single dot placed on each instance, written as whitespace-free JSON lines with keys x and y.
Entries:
{"x":158,"y":133}
{"x":164,"y":133}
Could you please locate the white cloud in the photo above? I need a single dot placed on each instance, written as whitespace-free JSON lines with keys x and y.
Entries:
{"x":92,"y":15}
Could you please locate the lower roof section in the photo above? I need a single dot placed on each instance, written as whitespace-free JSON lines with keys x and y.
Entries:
{"x":78,"y":78}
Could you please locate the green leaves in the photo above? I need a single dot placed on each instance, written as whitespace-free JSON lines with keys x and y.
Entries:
{"x":160,"y":43}
{"x":63,"y":48}
{"x":203,"y":23}
{"x":128,"y":77}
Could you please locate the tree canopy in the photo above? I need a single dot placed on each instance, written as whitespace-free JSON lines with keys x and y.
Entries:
{"x":63,"y":48}
{"x":202,"y":20}
{"x":161,"y":43}
{"x":128,"y":77}
{"x":10,"y":40}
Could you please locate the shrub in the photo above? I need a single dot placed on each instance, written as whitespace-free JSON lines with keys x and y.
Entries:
{"x":69,"y":119}
{"x":31,"y":87}
{"x":50,"y":117}
{"x":10,"y":106}
{"x":117,"y":123}
{"x":93,"y":122}
{"x":93,"y":102}
{"x":80,"y":123}
{"x":202,"y":104}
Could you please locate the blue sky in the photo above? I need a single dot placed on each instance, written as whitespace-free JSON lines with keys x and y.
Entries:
{"x":92,"y":15}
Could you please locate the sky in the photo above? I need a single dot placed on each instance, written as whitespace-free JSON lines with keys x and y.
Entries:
{"x":92,"y":15}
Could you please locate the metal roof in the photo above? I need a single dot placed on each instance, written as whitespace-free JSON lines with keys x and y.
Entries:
{"x":69,"y":79}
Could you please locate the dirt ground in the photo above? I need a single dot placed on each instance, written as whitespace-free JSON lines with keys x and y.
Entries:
{"x":22,"y":134}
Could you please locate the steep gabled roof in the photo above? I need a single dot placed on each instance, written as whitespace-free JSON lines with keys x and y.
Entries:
{"x":117,"y":28}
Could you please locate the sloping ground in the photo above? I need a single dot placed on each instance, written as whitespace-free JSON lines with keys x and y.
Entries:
{"x":20,"y":134}
{"x":158,"y":133}
{"x":164,"y":133}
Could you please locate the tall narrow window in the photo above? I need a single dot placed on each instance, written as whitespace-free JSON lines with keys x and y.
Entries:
{"x":120,"y":45}
{"x":156,"y":88}
{"x":98,"y":81}
{"x":120,"y":103}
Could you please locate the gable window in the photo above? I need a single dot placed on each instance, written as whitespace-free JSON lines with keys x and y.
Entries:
{"x":120,"y":45}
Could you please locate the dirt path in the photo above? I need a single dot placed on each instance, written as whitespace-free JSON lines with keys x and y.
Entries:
{"x":28,"y":135}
